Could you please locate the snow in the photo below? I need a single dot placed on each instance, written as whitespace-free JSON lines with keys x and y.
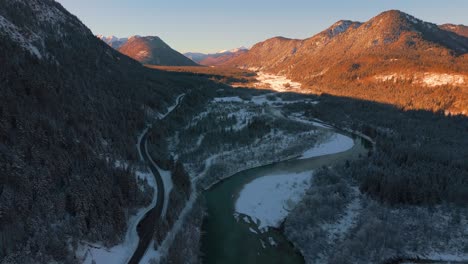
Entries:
{"x":97,"y":253}
{"x":141,"y":175}
{"x":447,"y":256}
{"x":166,"y":177}
{"x":234,"y":99}
{"x":339,"y":27}
{"x":253,"y":230}
{"x":120,"y":253}
{"x":150,"y":255}
{"x":268,"y":199}
{"x":260,"y":100}
{"x":16,"y":35}
{"x":232,"y":50}
{"x":171,"y":108}
{"x":155,"y":255}
{"x":276,"y":82}
{"x":388,"y":77}
{"x":272,"y":241}
{"x":242,"y":117}
{"x":316,"y":122}
{"x":429,"y":79}
{"x":339,"y":229}
{"x":335,"y":144}
{"x":142,"y":54}
{"x":436,"y":79}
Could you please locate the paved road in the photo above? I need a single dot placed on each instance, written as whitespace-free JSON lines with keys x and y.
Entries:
{"x":147,"y":225}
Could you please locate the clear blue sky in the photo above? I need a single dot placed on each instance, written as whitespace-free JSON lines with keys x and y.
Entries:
{"x":212,"y":25}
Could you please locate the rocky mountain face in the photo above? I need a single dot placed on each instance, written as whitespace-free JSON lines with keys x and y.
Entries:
{"x":216,"y":59}
{"x":392,"y":58}
{"x":153,"y":51}
{"x":71,"y":111}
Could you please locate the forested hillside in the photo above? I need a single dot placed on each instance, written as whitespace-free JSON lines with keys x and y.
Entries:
{"x":406,"y":198}
{"x":393,"y":58}
{"x":70,"y":113}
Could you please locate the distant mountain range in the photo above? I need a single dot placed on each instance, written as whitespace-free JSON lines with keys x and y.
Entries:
{"x":393,"y":58}
{"x":148,"y":50}
{"x":215,"y":59}
{"x":113,"y":41}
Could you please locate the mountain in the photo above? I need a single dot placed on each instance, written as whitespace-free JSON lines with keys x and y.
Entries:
{"x":461,"y":30}
{"x":392,"y":58}
{"x":196,"y":56}
{"x":215,"y":59}
{"x":113,"y":41}
{"x":71,"y":111}
{"x":152,"y":50}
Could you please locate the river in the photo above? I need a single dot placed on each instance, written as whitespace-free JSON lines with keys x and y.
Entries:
{"x":228,"y":240}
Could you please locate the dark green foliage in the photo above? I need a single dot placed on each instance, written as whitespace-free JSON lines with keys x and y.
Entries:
{"x":421,"y":157}
{"x":64,"y":120}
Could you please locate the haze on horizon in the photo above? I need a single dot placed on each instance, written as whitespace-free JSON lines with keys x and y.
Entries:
{"x":210,"y":26}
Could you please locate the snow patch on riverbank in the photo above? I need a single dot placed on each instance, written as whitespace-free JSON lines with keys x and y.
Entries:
{"x":98,"y":253}
{"x":269,"y":199}
{"x":335,"y":144}
{"x":166,"y":177}
{"x":339,"y":229}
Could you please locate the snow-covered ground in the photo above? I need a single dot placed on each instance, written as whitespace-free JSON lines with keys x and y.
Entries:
{"x":154,"y":256}
{"x":97,"y":253}
{"x":345,"y":223}
{"x":430,"y":79}
{"x":336,"y":143}
{"x":260,"y":100}
{"x":276,"y":82}
{"x":268,"y":199}
{"x":24,"y":40}
{"x":231,"y":99}
{"x":166,"y":177}
{"x":437,"y":79}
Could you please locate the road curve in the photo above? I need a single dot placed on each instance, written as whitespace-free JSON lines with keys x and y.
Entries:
{"x":147,"y":225}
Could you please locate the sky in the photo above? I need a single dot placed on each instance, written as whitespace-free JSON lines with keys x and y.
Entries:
{"x":213,"y":25}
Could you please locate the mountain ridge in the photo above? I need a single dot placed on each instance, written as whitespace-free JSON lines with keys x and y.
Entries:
{"x":391,"y":47}
{"x":147,"y":50}
{"x":215,"y":59}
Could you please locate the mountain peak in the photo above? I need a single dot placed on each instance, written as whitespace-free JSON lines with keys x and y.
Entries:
{"x":399,"y":18}
{"x":341,"y":26}
{"x":242,"y":48}
{"x":153,"y":50}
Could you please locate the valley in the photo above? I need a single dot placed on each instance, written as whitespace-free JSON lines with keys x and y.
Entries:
{"x":347,"y":147}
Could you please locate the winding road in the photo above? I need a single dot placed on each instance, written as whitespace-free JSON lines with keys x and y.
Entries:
{"x":147,"y":224}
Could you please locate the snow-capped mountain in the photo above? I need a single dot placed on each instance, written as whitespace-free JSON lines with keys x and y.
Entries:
{"x":147,"y":50}
{"x":217,"y":58}
{"x":113,"y":41}
{"x":242,"y":48}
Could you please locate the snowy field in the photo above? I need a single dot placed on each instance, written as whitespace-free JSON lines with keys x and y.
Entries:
{"x":269,"y":199}
{"x":335,"y":144}
{"x":276,"y":82}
